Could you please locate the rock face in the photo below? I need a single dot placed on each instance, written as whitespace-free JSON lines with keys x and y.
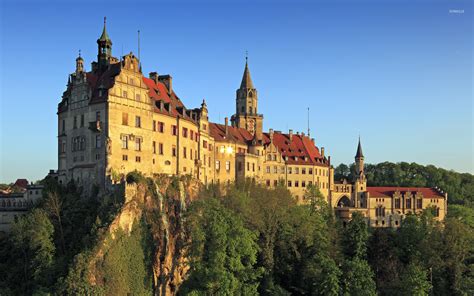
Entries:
{"x":161,"y":203}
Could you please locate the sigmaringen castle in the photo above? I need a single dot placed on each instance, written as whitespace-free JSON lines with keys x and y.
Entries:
{"x":113,"y":120}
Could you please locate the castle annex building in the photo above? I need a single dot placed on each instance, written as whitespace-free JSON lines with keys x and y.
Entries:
{"x":113,"y":120}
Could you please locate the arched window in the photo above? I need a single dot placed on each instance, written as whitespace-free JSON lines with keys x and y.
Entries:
{"x":344,"y":202}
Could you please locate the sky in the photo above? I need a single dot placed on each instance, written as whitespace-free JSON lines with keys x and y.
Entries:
{"x":397,"y":73}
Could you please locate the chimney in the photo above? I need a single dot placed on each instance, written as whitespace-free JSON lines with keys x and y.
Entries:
{"x":271,"y":135}
{"x":154,"y":76}
{"x":312,"y":140}
{"x":302,"y":134}
{"x":290,"y":134}
{"x":168,"y":81}
{"x":226,"y":125}
{"x":322,"y":152}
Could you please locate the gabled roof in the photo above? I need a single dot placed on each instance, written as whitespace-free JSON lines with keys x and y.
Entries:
{"x":300,"y":150}
{"x":23,"y":183}
{"x":239,"y":135}
{"x":389,"y":191}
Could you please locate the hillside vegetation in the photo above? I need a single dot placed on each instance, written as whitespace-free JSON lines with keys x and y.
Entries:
{"x":174,"y":237}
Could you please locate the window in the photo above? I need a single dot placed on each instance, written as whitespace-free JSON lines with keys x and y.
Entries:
{"x":125,"y":94}
{"x":185,"y":132}
{"x":75,"y":122}
{"x":191,"y":153}
{"x":124,"y":157}
{"x":173,"y":151}
{"x":380,"y":211}
{"x":138,"y":121}
{"x":204,"y":126}
{"x":248,"y":166}
{"x":138,"y":159}
{"x":253,"y":167}
{"x":82,"y":120}
{"x":204,"y":144}
{"x":268,"y":183}
{"x":289,"y":183}
{"x":64,"y":125}
{"x":137,"y":97}
{"x":397,"y":203}
{"x":408,"y":203}
{"x":275,"y":183}
{"x":154,"y":147}
{"x":419,"y":203}
{"x":275,"y":170}
{"x":97,"y":116}
{"x":218,"y":165}
{"x":310,"y":171}
{"x":268,"y":170}
{"x":289,"y":170}
{"x":297,"y":170}
{"x":124,"y":142}
{"x":310,"y":183}
{"x":161,"y":127}
{"x":153,"y":127}
{"x":97,"y":141}
{"x":227,"y":166}
{"x":124,"y":118}
{"x":184,"y":152}
{"x":174,"y":130}
{"x":282,"y":170}
{"x":191,"y":134}
{"x":303,"y":184}
{"x":160,"y":148}
{"x":436,"y":212}
{"x":303,"y":171}
{"x":138,"y":144}
{"x":63,"y":146}
{"x":274,"y":157}
{"x":297,"y":184}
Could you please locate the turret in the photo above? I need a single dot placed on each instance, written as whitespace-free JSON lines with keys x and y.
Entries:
{"x":359,"y":161}
{"x":104,"y":48}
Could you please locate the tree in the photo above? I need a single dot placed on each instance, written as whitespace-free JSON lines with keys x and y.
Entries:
{"x":355,"y":237}
{"x":222,"y":252}
{"x":32,"y":236}
{"x":414,"y":281}
{"x":342,"y":171}
{"x":358,"y":278}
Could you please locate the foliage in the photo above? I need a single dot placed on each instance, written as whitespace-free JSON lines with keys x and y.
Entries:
{"x":414,"y":281}
{"x":355,"y":237}
{"x":358,"y":278}
{"x":222,"y":253}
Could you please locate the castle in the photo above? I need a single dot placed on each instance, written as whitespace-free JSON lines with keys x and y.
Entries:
{"x":113,"y":120}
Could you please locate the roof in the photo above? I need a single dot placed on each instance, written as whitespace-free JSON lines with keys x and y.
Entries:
{"x":239,"y":135}
{"x":246,"y":79}
{"x":21,"y":183}
{"x":105,"y":37}
{"x":300,"y":150}
{"x":389,"y":191}
{"x":359,"y":153}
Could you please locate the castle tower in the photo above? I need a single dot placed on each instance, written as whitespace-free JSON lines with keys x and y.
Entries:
{"x":79,"y":64}
{"x":104,"y":48}
{"x":359,"y":162}
{"x":246,"y":115}
{"x":360,"y":183}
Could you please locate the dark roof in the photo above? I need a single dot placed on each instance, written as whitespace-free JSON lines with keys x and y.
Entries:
{"x":359,"y":150}
{"x":21,"y":183}
{"x":246,"y":79}
{"x":239,"y":135}
{"x":105,"y":37}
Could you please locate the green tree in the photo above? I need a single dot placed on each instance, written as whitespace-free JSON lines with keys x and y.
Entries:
{"x":414,"y":281}
{"x":223,"y":253}
{"x":355,"y":237}
{"x":32,"y":237}
{"x":358,"y":278}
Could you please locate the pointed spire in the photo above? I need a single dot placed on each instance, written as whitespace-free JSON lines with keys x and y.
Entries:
{"x":359,"y":153}
{"x":246,"y":79}
{"x":105,"y":36}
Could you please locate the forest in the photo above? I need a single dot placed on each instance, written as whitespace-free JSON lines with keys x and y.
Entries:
{"x":251,"y":240}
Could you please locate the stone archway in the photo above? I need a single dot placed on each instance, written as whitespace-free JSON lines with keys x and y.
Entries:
{"x":344,"y":202}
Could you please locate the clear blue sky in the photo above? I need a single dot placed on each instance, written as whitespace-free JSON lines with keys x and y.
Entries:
{"x":399,"y":73}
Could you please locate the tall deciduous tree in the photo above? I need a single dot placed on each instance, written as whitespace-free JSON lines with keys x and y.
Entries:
{"x":414,"y":281}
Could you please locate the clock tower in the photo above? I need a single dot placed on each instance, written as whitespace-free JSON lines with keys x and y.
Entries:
{"x":246,"y":114}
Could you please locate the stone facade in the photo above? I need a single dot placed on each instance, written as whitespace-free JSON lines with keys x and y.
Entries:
{"x":113,"y":120}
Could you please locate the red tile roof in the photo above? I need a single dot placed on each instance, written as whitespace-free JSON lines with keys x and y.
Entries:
{"x":239,"y":135}
{"x":300,"y":150}
{"x":23,"y":183}
{"x":389,"y":191}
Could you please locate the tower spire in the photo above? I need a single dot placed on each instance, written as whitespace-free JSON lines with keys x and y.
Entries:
{"x":359,"y":153}
{"x":246,"y":79}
